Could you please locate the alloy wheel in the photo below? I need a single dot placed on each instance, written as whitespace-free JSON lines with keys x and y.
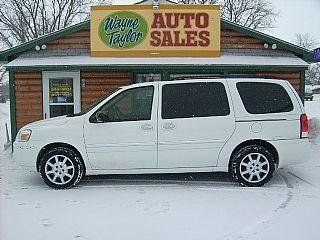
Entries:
{"x":254,"y":167}
{"x":59,"y":169}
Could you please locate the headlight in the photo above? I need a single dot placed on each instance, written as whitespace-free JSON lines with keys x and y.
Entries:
{"x":24,"y":135}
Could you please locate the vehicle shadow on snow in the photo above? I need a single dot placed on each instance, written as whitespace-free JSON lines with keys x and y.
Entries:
{"x":154,"y":179}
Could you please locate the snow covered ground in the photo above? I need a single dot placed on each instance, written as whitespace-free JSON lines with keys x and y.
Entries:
{"x":312,"y":107}
{"x":4,"y":118}
{"x":184,"y":206}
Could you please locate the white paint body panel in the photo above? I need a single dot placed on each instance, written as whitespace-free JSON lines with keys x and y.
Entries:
{"x":123,"y":145}
{"x":194,"y":145}
{"x":192,"y":142}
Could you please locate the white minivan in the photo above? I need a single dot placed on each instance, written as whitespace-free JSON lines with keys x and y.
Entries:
{"x":248,"y":127}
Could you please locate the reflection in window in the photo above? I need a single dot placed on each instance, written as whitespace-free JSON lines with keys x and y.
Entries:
{"x":189,"y":100}
{"x":147,"y":77}
{"x":131,"y":105}
{"x":60,"y":110}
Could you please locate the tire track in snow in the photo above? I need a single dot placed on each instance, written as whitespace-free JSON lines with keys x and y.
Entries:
{"x":303,"y":180}
{"x":288,"y":202}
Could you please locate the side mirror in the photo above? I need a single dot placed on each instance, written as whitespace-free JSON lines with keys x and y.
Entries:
{"x":102,"y":117}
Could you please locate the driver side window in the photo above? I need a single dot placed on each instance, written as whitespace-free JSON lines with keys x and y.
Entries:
{"x":130,"y":105}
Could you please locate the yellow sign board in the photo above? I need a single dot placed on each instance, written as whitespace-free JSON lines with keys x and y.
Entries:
{"x":169,"y":31}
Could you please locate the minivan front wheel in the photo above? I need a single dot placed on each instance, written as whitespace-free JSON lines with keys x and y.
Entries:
{"x":252,"y":166}
{"x":61,"y":168}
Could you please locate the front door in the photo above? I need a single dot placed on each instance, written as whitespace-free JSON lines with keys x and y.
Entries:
{"x":61,"y":93}
{"x":122,"y":133}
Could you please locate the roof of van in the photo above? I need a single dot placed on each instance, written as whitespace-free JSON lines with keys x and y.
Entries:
{"x":195,"y":80}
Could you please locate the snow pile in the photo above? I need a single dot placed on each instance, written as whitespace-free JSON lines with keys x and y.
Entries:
{"x":4,"y":119}
{"x":313,"y":107}
{"x":313,"y":112}
{"x":314,"y":131}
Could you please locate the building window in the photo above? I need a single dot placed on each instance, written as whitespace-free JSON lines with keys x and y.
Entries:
{"x":147,"y":77}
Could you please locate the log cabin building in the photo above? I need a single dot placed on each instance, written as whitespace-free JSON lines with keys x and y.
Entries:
{"x":60,"y":73}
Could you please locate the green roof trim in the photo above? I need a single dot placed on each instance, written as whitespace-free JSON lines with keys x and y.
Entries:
{"x":304,"y":53}
{"x":168,"y":67}
{"x":9,"y":54}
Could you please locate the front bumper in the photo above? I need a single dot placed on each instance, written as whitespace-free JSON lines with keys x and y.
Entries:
{"x":293,"y":151}
{"x":26,"y":153}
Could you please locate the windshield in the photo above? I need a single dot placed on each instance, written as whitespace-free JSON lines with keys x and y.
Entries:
{"x":93,"y":105}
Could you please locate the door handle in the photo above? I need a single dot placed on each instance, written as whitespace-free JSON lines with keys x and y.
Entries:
{"x":147,"y":127}
{"x":169,"y":126}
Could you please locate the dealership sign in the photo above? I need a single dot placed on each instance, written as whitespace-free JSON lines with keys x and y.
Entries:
{"x":141,"y":31}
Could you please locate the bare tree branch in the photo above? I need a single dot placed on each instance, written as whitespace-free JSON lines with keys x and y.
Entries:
{"x":305,"y":41}
{"x":256,"y":14}
{"x":23,"y":20}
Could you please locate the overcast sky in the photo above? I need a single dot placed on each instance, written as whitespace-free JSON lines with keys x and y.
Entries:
{"x":296,"y":16}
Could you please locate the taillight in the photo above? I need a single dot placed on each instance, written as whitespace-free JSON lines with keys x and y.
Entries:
{"x":304,"y":126}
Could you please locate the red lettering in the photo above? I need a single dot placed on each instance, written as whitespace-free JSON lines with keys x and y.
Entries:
{"x":187,"y":19}
{"x":167,"y":39}
{"x":191,"y":35}
{"x":204,"y":36}
{"x":202,"y":20}
{"x":155,"y":38}
{"x":177,"y":39}
{"x":170,"y":21}
{"x":158,"y":21}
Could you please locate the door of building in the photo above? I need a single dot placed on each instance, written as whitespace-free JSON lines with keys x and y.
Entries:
{"x":61,"y":93}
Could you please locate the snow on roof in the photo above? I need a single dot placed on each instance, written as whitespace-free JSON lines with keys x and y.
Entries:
{"x":313,"y":86}
{"x":224,"y":60}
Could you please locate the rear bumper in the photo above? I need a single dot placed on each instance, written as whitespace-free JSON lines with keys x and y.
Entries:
{"x":292,"y":151}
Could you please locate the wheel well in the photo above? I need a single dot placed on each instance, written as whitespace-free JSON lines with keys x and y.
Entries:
{"x":261,"y":143}
{"x":53,"y":145}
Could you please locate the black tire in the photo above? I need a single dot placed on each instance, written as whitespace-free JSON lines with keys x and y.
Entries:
{"x":74,"y":168}
{"x":265,"y":169}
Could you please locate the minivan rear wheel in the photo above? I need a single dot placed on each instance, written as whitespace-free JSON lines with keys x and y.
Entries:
{"x":252,"y":166}
{"x":61,"y":168}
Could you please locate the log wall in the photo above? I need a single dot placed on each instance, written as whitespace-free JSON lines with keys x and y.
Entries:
{"x":98,"y":84}
{"x":229,"y":39}
{"x":292,"y":76}
{"x":77,"y":40}
{"x":235,"y":40}
{"x":28,"y":92}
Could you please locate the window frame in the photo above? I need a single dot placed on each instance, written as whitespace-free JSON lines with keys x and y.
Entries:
{"x":196,"y":117}
{"x":93,"y":115}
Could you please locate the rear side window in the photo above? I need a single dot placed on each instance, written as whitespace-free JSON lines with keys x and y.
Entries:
{"x":262,"y":98}
{"x":189,"y":100}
